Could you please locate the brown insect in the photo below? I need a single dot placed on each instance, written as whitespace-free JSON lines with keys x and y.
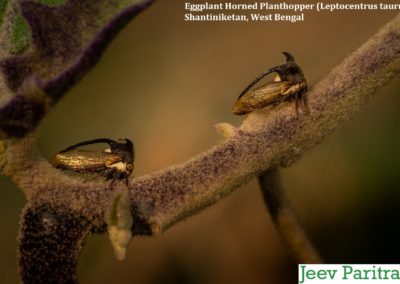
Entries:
{"x":115,"y":163}
{"x":288,"y":85}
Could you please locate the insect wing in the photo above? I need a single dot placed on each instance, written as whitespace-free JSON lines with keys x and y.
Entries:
{"x":84,"y":161}
{"x":261,"y":97}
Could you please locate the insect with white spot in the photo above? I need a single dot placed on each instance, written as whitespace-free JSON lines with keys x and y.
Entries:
{"x":288,"y":85}
{"x":114,"y":163}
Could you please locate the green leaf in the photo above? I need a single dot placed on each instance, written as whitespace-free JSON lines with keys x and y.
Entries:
{"x":3,"y":6}
{"x":52,"y":2}
{"x":20,"y":35}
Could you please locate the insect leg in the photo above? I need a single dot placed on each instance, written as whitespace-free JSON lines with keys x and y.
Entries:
{"x":297,"y":103}
{"x":116,"y":177}
{"x":304,"y":99}
{"x":110,"y":173}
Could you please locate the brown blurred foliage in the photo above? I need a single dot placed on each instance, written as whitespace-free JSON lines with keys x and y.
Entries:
{"x":164,"y":83}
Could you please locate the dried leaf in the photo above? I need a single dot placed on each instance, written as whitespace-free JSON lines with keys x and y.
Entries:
{"x":119,"y":223}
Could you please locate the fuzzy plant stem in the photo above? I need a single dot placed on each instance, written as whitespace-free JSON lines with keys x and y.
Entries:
{"x":289,"y":228}
{"x":49,"y":245}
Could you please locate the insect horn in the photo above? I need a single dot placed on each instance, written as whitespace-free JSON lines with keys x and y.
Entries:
{"x":280,"y":69}
{"x":256,"y":80}
{"x":128,"y":142}
{"x":88,"y":142}
{"x":131,"y":146}
{"x":289,"y":57}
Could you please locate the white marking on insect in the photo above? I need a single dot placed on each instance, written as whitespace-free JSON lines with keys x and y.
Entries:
{"x":120,"y":166}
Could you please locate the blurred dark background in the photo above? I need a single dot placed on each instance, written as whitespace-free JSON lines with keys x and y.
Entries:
{"x":164,"y":83}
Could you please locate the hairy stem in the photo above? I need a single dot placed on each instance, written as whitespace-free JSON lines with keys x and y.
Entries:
{"x":289,"y":228}
{"x":49,"y":245}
